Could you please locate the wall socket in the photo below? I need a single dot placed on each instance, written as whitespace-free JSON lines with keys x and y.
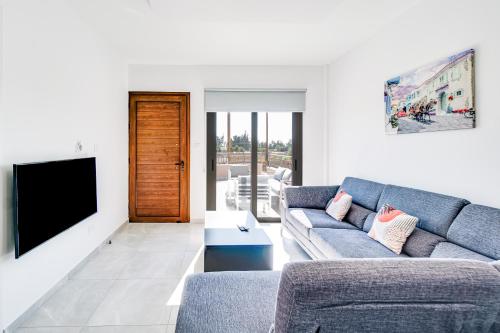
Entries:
{"x":78,"y":147}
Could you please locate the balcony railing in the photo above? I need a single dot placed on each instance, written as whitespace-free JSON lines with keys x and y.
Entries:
{"x":276,"y":159}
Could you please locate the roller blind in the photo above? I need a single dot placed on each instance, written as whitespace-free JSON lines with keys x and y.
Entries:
{"x":255,"y":101}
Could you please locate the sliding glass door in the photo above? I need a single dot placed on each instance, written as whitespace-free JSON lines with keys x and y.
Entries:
{"x":251,"y":156}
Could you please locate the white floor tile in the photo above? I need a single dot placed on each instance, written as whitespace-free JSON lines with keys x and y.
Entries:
{"x":135,"y":302}
{"x":163,"y":243}
{"x":104,"y":265}
{"x":135,"y":283}
{"x":48,"y":330}
{"x":125,"y":329}
{"x":147,"y":265}
{"x":72,"y":305}
{"x":173,"y":315}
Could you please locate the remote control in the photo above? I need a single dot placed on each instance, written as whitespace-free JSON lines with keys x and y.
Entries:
{"x":242,"y":228}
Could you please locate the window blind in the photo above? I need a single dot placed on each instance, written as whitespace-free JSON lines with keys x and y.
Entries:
{"x":219,"y":100}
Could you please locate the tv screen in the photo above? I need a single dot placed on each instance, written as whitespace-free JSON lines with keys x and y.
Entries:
{"x":50,"y":197}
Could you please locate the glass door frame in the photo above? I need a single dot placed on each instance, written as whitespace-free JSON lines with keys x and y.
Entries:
{"x":211,"y":166}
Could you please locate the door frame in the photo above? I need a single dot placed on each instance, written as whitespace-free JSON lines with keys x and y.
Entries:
{"x":185,"y":185}
{"x":211,"y":166}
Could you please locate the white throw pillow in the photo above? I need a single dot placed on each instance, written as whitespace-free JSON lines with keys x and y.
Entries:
{"x":392,"y":227}
{"x":339,"y":205}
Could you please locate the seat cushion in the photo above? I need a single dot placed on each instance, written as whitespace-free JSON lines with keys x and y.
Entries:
{"x":421,"y":243}
{"x":435,"y":211}
{"x":477,"y":228}
{"x":274,"y":185}
{"x":450,"y":250}
{"x":357,"y":215}
{"x":338,"y":243}
{"x":305,"y":219}
{"x":226,"y":302}
{"x":364,"y":192}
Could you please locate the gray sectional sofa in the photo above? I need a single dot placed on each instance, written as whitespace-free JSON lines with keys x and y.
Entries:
{"x":445,"y":280}
{"x":448,"y":227}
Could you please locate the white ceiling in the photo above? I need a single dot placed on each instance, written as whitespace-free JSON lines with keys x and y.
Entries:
{"x":237,"y":32}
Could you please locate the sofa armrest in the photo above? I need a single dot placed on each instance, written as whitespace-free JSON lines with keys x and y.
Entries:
{"x":388,"y":295}
{"x":309,"y":196}
{"x":242,"y":302}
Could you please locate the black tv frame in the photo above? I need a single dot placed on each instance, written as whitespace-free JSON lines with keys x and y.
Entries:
{"x":15,"y":202}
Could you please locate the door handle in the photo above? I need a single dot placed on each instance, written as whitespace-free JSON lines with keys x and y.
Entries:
{"x":181,"y":163}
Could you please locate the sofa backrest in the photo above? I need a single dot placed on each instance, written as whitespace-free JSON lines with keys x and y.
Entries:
{"x":435,"y":211}
{"x":477,"y":228}
{"x":355,"y":295}
{"x":315,"y":197}
{"x":364,"y":192}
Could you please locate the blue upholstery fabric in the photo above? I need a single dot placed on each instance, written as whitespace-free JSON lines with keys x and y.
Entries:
{"x":369,"y":222}
{"x":364,"y":192}
{"x":450,"y":250}
{"x":477,"y":228}
{"x":435,"y":211}
{"x":496,"y":264}
{"x":388,"y":295}
{"x":304,"y":242}
{"x":357,"y":215}
{"x":305,"y":219}
{"x":421,"y":243}
{"x":338,"y":243}
{"x":315,"y":197}
{"x":242,"y":302}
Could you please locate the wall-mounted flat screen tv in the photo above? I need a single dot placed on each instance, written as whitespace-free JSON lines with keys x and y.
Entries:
{"x":50,"y":197}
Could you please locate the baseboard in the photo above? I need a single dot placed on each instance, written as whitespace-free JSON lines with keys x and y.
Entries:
{"x":197,"y":221}
{"x":22,"y":318}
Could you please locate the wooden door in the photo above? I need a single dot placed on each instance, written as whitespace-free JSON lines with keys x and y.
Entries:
{"x":159,"y":157}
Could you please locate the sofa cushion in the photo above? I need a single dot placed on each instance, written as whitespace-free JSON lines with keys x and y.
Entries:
{"x":309,"y":196}
{"x":304,"y":242}
{"x":274,"y":185}
{"x":477,"y":228}
{"x":388,"y":295}
{"x":392,"y":227}
{"x":338,"y":243}
{"x":287,"y":175}
{"x":339,"y":205}
{"x":305,"y":219}
{"x":364,"y":192}
{"x":357,"y":215}
{"x":435,"y":211}
{"x":421,"y":243}
{"x":369,"y":222}
{"x":450,"y":250}
{"x":278,"y":173}
{"x":225,"y":302}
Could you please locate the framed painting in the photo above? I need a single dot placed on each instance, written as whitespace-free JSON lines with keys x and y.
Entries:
{"x":435,"y":97}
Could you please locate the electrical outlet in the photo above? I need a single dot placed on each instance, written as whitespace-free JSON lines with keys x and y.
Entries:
{"x":78,"y":147}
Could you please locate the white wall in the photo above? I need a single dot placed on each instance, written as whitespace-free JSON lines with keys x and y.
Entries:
{"x":465,"y":163}
{"x":196,"y":78}
{"x":59,"y":86}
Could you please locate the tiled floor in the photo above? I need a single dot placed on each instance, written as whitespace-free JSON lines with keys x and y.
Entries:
{"x":135,"y":283}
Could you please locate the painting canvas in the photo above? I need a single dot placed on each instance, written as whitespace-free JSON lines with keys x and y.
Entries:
{"x":435,"y":97}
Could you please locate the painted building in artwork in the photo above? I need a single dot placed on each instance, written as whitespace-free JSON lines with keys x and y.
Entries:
{"x":451,"y":87}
